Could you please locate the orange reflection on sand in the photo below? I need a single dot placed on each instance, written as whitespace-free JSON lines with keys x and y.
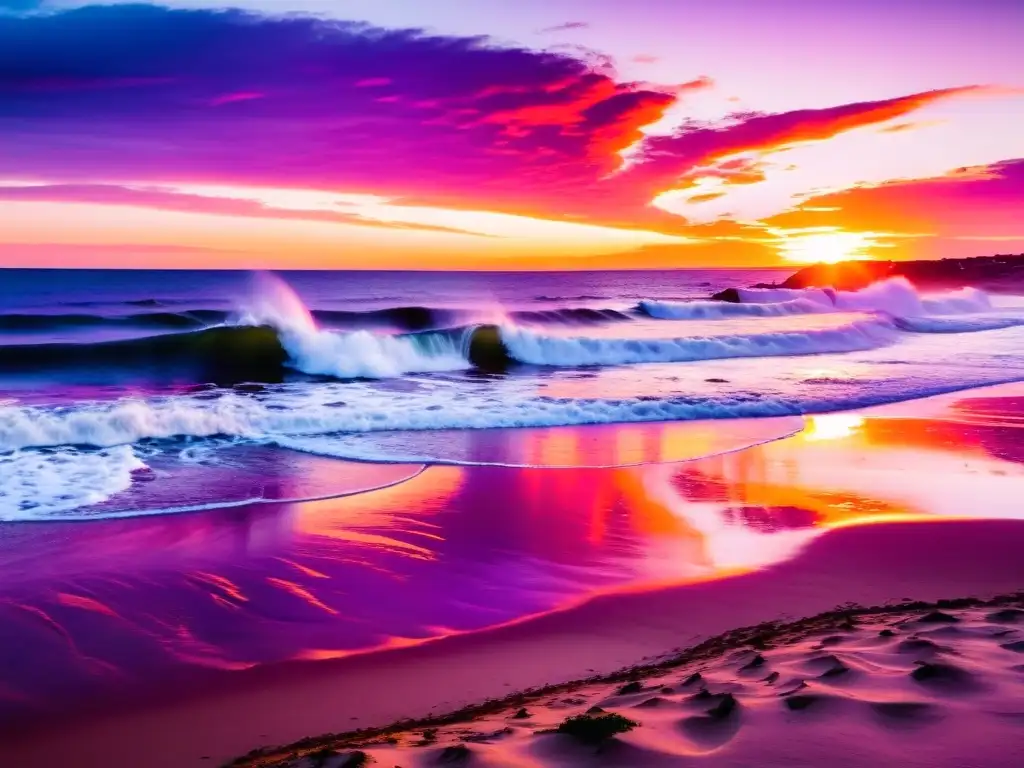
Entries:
{"x":303,"y":569}
{"x":225,"y":585}
{"x":848,"y":469}
{"x":300,"y":592}
{"x":388,"y":644}
{"x":364,"y":518}
{"x":85,"y":603}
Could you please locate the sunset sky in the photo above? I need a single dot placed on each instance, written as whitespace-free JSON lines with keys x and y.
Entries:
{"x":486,"y":134}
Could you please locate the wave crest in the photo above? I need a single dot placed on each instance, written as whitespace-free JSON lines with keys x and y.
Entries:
{"x":896,"y":296}
{"x":713,"y":310}
{"x":537,"y":349}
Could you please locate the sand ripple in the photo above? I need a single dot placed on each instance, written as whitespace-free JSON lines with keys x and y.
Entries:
{"x":855,"y":687}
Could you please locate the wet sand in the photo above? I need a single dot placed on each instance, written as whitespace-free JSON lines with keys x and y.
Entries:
{"x":782,"y":530}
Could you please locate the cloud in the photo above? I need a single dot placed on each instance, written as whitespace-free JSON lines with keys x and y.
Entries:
{"x":231,"y":98}
{"x":95,"y":249}
{"x":566,"y":27}
{"x":665,"y":160}
{"x":697,"y":84}
{"x":143,"y":93}
{"x":144,"y":96}
{"x":168,"y":200}
{"x":972,"y":203}
{"x":58,"y":255}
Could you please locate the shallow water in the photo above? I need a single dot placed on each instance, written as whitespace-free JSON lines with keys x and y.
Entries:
{"x":112,"y":380}
{"x":116,"y":608}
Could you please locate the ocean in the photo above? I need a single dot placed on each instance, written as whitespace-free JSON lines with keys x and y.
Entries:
{"x":129,"y":393}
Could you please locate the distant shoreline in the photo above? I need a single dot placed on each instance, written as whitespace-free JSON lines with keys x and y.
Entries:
{"x":981,"y":271}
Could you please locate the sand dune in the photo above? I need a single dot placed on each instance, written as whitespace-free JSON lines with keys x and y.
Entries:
{"x":916,"y":684}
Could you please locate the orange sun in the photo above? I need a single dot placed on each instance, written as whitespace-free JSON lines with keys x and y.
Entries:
{"x":825,"y":247}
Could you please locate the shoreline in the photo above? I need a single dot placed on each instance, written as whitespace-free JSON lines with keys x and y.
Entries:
{"x":600,"y":636}
{"x":756,"y":637}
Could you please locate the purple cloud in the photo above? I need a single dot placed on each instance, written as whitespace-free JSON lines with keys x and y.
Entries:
{"x":566,"y":27}
{"x":139,"y":94}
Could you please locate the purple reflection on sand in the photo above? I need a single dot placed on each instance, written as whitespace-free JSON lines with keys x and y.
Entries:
{"x":127,"y":607}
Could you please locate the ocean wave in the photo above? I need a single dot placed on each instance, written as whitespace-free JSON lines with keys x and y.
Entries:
{"x":394,"y":319}
{"x":895,"y":296}
{"x":571,"y":316}
{"x":216,"y":354}
{"x":143,"y":320}
{"x":285,"y":415}
{"x":279,"y":338}
{"x":365,"y":355}
{"x":957,"y":324}
{"x":227,"y":354}
{"x":537,"y":349}
{"x":715,"y":310}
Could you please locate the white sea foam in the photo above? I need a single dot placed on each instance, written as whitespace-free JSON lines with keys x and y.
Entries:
{"x":35,"y":484}
{"x":294,"y":413}
{"x":539,"y":349}
{"x":344,"y":355}
{"x":895,"y":296}
{"x":822,"y":296}
{"x":126,"y":421}
{"x":362,"y":354}
{"x":958,"y":324}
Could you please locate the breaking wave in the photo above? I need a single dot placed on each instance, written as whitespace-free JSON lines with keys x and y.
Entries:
{"x":720,"y":310}
{"x":537,"y":349}
{"x":895,"y":296}
{"x":280,"y":342}
{"x":316,"y":375}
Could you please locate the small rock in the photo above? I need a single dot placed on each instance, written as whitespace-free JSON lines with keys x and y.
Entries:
{"x":1006,"y":616}
{"x":938,"y":617}
{"x":457,"y":754}
{"x":835,"y":670}
{"x":800,"y":701}
{"x":754,"y":663}
{"x":725,"y":707}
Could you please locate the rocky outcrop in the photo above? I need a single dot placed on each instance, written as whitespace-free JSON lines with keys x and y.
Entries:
{"x":981,"y":271}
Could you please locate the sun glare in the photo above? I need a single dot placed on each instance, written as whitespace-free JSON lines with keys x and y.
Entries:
{"x":826,"y":248}
{"x":832,"y":426}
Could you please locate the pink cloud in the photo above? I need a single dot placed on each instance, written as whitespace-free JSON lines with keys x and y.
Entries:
{"x":231,"y":98}
{"x":373,"y":82}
